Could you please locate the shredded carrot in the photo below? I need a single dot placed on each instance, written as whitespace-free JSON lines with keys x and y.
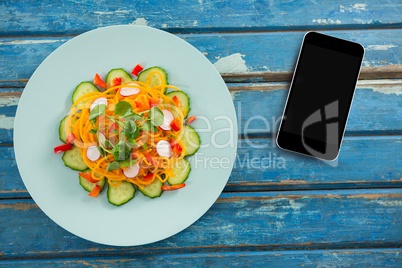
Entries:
{"x":78,"y":123}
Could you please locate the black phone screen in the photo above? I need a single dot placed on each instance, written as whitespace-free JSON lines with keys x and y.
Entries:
{"x":320,"y":96}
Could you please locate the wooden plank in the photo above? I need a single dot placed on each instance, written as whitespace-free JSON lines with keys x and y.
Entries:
{"x":53,"y":17}
{"x":253,"y":55}
{"x":367,"y":73}
{"x":376,"y":109}
{"x":363,"y":162}
{"x":386,"y":257}
{"x":236,"y":222}
{"x":8,"y":108}
{"x":11,"y":184}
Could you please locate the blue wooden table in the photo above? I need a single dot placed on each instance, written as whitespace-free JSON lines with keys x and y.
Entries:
{"x":304,"y":212}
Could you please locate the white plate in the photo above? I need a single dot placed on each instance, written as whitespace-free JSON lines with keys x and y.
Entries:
{"x":47,"y":98}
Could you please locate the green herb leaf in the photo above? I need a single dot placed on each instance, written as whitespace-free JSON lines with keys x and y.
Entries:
{"x":132,"y":116}
{"x":121,"y":151}
{"x":122,"y":107}
{"x":131,"y":131}
{"x":93,"y":131}
{"x":130,"y":127}
{"x":156,"y":116}
{"x":131,"y":137}
{"x":108,"y":144}
{"x":97,"y":111}
{"x":127,"y":163}
{"x":113,"y":166}
{"x":131,"y":142}
{"x":102,"y":152}
{"x":147,"y":126}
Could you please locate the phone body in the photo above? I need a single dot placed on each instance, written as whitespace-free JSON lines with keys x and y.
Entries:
{"x":320,"y":96}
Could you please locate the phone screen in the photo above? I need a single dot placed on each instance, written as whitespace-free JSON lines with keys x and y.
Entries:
{"x":320,"y":96}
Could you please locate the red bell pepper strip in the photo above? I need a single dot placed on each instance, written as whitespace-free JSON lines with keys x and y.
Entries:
{"x":176,"y":101}
{"x":149,"y":159}
{"x":191,"y":119}
{"x":137,"y":69}
{"x":142,"y":105}
{"x":99,"y":82}
{"x":70,"y":138}
{"x":87,"y":176}
{"x":177,"y":149}
{"x":116,"y":81}
{"x":148,"y":177}
{"x":173,"y":187}
{"x":154,"y":102}
{"x":62,"y":148}
{"x":172,"y":142}
{"x":95,"y":191}
{"x":112,"y":128}
{"x":175,"y":125}
{"x":139,"y":104}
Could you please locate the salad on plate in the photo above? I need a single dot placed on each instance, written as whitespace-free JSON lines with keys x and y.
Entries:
{"x":129,"y":132}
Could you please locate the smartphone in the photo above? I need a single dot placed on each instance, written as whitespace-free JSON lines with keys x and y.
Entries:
{"x":320,"y":96}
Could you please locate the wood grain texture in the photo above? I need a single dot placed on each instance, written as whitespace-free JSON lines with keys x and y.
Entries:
{"x":388,"y":257}
{"x":72,"y":17}
{"x":260,"y":165}
{"x":367,"y":73}
{"x":363,"y":162}
{"x":251,"y":54}
{"x":236,"y":222}
{"x":375,"y":109}
{"x":319,"y":216}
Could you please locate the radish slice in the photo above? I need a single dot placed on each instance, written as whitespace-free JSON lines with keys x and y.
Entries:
{"x":93,"y":153}
{"x":132,"y":171}
{"x":97,"y":102}
{"x":163,"y":149}
{"x":167,"y":119}
{"x":129,"y":91}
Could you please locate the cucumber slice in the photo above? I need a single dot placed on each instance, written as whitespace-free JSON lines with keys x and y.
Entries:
{"x":157,"y":78}
{"x":88,"y":186}
{"x":121,"y":194}
{"x":82,"y":89}
{"x":115,"y":73}
{"x":73,"y":159}
{"x":62,"y":130}
{"x":191,"y":140}
{"x":184,"y":100}
{"x":181,"y":170}
{"x":153,"y":190}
